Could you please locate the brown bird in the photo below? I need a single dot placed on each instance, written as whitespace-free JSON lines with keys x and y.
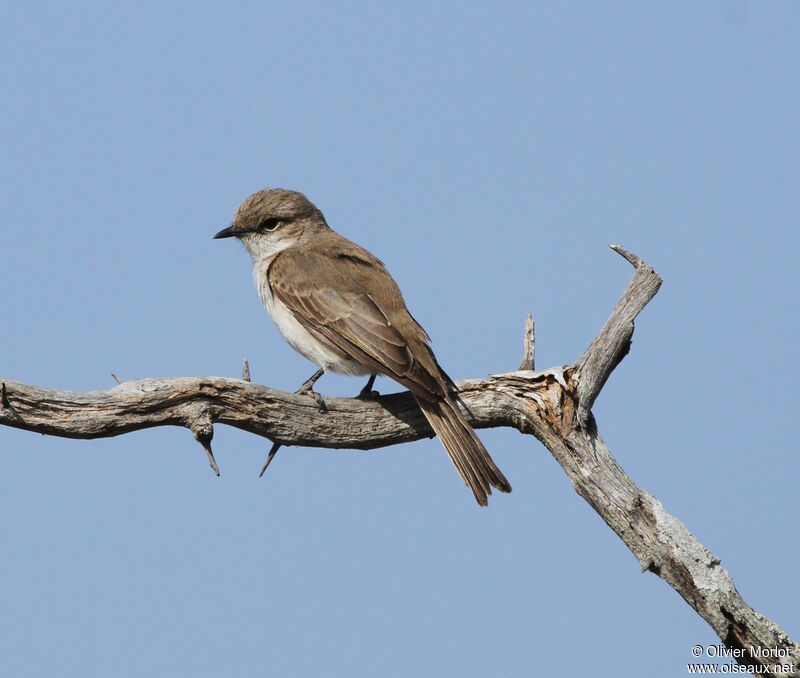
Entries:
{"x":337,"y":305}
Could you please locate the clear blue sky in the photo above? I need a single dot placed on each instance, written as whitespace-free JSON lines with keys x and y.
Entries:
{"x":488,"y":154}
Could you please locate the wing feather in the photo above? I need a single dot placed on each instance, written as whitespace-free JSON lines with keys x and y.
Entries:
{"x":349,"y":318}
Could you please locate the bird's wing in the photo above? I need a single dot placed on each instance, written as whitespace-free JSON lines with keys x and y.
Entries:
{"x":328,"y":296}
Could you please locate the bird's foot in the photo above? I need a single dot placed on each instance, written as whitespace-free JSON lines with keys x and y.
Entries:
{"x":308,"y":390}
{"x":367,"y":393}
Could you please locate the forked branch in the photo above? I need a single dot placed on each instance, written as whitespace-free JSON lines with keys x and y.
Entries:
{"x":553,"y":405}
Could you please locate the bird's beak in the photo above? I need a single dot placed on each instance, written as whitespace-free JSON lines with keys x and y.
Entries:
{"x":229,"y":232}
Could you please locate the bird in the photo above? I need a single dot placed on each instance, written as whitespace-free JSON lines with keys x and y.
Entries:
{"x":336,"y":304}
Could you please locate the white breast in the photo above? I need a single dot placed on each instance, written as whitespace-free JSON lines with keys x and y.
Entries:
{"x":299,"y":338}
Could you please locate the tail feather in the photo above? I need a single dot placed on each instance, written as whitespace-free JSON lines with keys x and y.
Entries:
{"x":469,"y":456}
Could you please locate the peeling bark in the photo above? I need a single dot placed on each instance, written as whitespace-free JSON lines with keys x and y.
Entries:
{"x":553,"y":405}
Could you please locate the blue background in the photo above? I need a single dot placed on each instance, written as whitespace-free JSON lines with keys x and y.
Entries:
{"x":488,"y":153}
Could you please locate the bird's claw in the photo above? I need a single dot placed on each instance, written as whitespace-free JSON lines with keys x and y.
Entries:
{"x":368,"y":394}
{"x":308,"y":390}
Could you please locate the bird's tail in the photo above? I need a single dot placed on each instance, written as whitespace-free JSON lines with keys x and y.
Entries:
{"x":469,"y":456}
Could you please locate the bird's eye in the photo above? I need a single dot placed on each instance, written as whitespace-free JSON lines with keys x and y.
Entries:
{"x":269,"y":224}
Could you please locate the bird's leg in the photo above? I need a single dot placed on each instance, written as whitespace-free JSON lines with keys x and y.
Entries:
{"x":367,"y":393}
{"x":307,"y":389}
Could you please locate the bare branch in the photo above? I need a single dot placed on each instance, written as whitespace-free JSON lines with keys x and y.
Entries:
{"x":202,"y":427}
{"x":191,"y":402}
{"x":272,"y":451}
{"x":529,"y":345}
{"x":613,"y":342}
{"x":553,"y":405}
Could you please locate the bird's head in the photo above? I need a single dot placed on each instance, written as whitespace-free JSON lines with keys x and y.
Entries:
{"x":272,"y":220}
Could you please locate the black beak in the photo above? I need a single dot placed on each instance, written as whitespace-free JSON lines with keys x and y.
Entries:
{"x":229,"y":232}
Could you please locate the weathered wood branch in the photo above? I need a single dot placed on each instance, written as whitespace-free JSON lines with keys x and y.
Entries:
{"x":553,"y":405}
{"x":613,"y":342}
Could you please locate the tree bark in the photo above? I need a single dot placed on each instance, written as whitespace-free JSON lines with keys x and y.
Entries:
{"x":553,"y":405}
